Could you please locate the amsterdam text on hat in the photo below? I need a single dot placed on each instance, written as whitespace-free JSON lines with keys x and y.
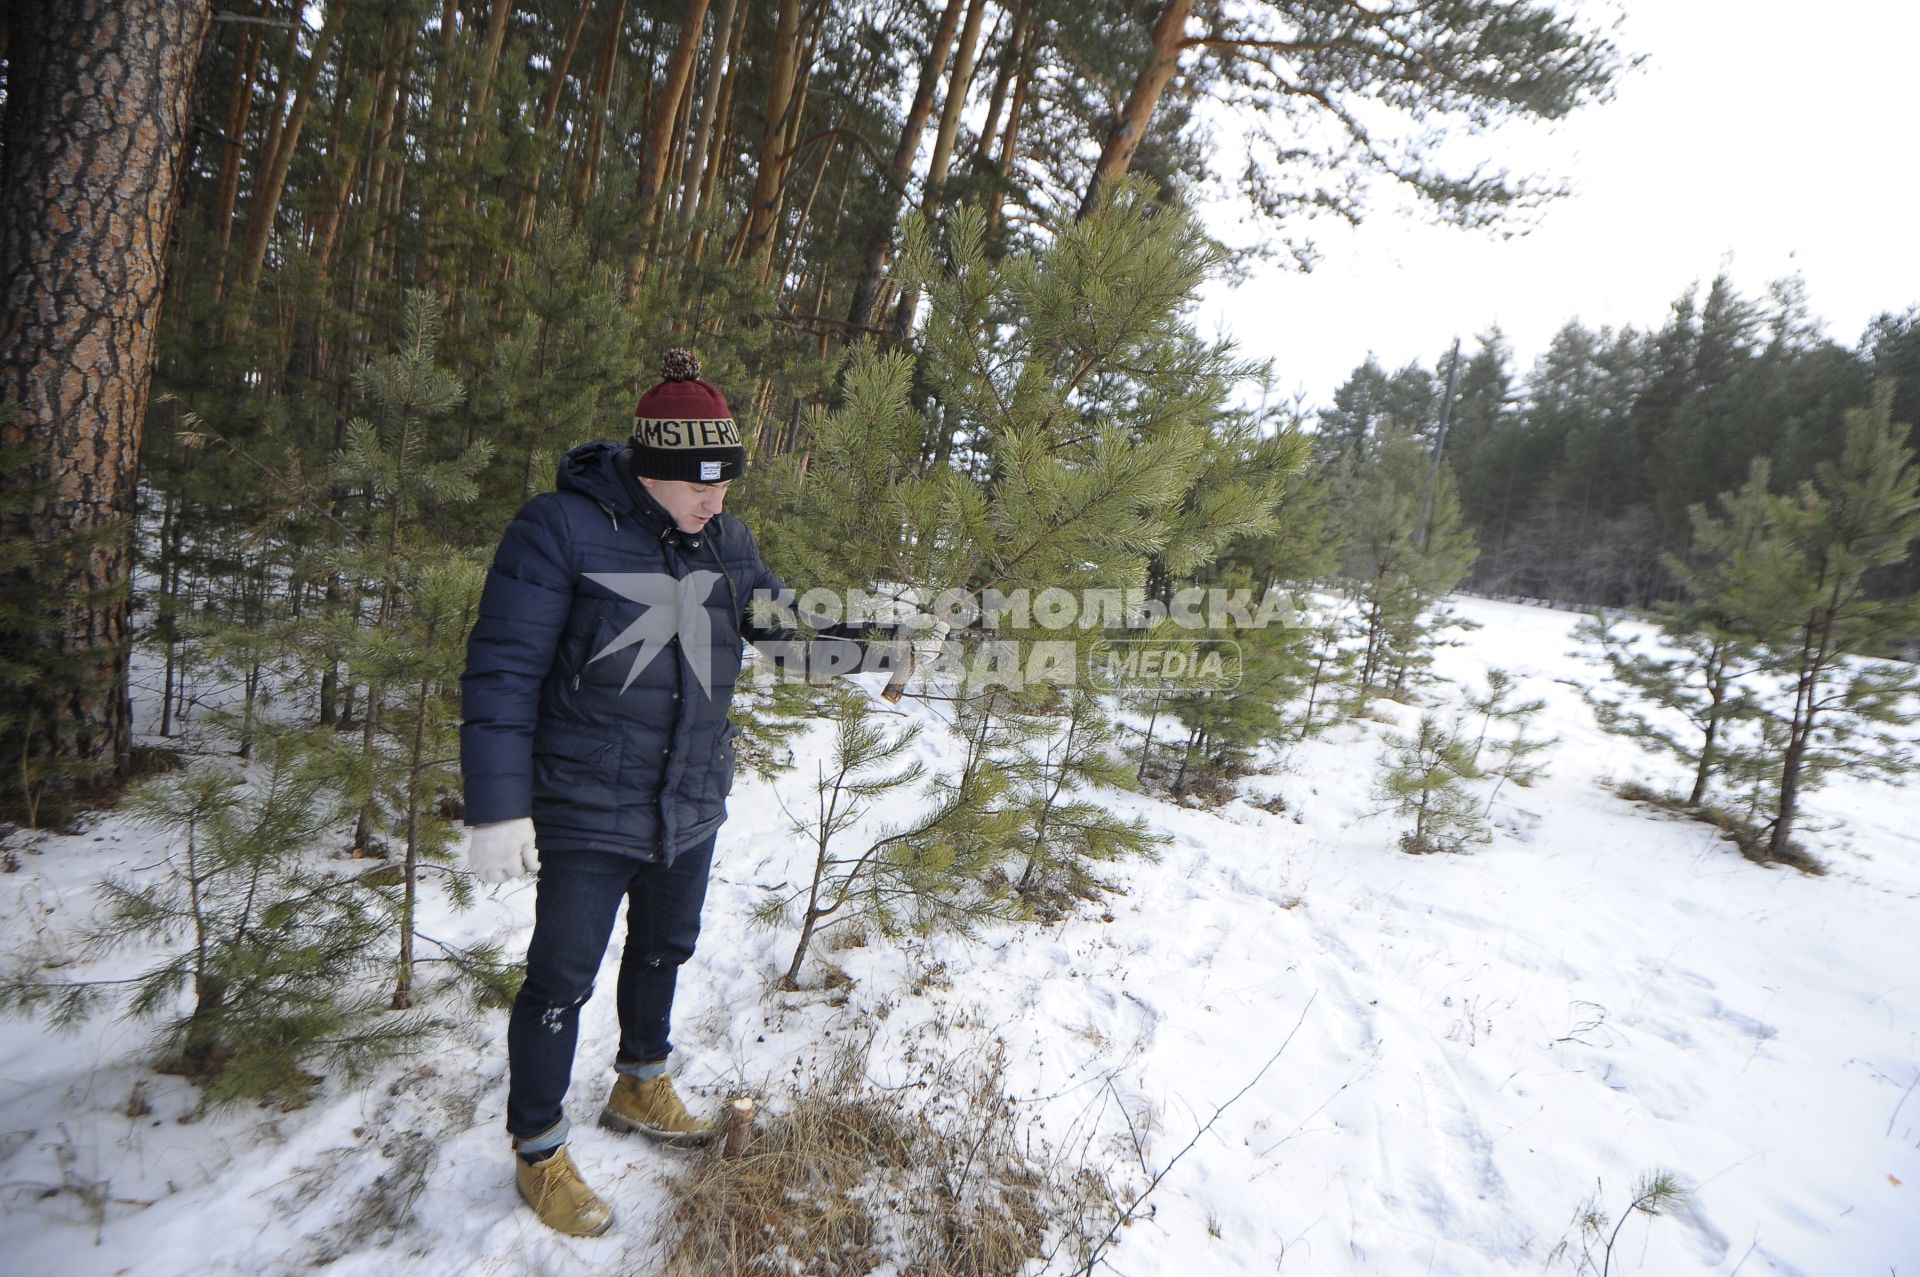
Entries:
{"x":683,"y":428}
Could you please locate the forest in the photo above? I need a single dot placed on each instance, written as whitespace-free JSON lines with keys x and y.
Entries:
{"x":1577,"y":475}
{"x":537,"y":200}
{"x":368,"y":268}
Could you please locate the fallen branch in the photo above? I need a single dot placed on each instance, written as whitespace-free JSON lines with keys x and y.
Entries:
{"x":1132,"y":1208}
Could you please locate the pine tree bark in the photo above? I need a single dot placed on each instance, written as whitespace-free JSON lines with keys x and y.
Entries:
{"x":861,"y":86}
{"x":529,"y":204}
{"x":709,"y":107}
{"x":668,"y":109}
{"x":667,"y":106}
{"x":756,"y":238}
{"x":1010,"y":142}
{"x":866,"y":290}
{"x":959,"y":84}
{"x":790,"y":148}
{"x":551,"y":102}
{"x":97,"y":115}
{"x":227,"y":188}
{"x":725,"y":143}
{"x":265,"y":206}
{"x":371,"y":117}
{"x":600,"y":94}
{"x":483,"y":79}
{"x":1816,"y":654}
{"x":1130,"y":125}
{"x":1002,"y":83}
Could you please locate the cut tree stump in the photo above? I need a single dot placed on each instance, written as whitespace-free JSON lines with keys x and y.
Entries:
{"x":739,"y":1128}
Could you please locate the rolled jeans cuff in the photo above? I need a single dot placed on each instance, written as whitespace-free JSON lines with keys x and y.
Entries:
{"x":551,"y":1138}
{"x":645,"y":1070}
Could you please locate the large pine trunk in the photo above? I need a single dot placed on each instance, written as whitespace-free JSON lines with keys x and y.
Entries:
{"x":668,"y":122}
{"x":277,"y":157}
{"x":96,"y":119}
{"x":668,"y":107}
{"x":959,"y":84}
{"x":756,"y":233}
{"x":866,"y":289}
{"x":1130,"y":124}
{"x":723,"y":32}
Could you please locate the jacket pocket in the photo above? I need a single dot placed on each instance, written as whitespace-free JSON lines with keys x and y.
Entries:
{"x":609,"y":670}
{"x":575,"y":766}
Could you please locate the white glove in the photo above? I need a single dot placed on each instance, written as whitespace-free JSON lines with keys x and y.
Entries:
{"x":502,"y":850}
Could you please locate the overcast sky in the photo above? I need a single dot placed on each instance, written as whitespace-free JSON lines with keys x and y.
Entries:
{"x":1761,"y":137}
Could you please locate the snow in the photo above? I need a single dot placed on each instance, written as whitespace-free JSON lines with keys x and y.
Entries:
{"x":1458,"y":1050}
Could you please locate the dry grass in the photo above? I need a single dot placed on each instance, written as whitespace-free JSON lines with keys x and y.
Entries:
{"x":1052,"y":901}
{"x":1749,"y":837}
{"x":1210,"y":780}
{"x":1273,"y":803}
{"x":1423,"y":845}
{"x":934,"y":1182}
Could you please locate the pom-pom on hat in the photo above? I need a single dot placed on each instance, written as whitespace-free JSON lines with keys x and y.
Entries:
{"x":683,"y":428}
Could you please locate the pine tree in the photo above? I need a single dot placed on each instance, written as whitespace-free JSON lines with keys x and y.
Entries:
{"x":1480,"y":61}
{"x":1397,"y":567}
{"x":1228,"y":719}
{"x":1504,"y":723}
{"x":406,"y":643}
{"x":280,"y":962}
{"x":1422,"y":779}
{"x":1067,"y":832}
{"x":1070,"y":412}
{"x":930,"y":871}
{"x":1809,"y":599}
{"x":1701,"y":670}
{"x":265,"y":549}
{"x":1654,"y":1192}
{"x":1063,"y":430}
{"x":1332,"y":665}
{"x":255,"y":635}
{"x":1269,"y":661}
{"x":422,"y":654}
{"x":562,"y":364}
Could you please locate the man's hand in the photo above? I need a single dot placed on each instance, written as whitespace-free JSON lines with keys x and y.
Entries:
{"x":502,"y":850}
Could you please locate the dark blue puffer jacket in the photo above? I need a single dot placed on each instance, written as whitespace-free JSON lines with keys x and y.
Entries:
{"x":581,"y":703}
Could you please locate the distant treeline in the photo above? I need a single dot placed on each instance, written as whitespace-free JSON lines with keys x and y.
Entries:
{"x":1577,"y":475}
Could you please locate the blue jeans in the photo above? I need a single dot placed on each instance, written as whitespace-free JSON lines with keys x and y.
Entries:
{"x":579,"y":893}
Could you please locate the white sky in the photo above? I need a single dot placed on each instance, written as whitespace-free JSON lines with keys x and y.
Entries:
{"x":1762,"y":137}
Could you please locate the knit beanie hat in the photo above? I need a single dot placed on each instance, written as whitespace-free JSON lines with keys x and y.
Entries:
{"x":683,"y":428}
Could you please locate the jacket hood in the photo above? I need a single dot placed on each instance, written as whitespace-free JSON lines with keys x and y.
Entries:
{"x":599,"y":472}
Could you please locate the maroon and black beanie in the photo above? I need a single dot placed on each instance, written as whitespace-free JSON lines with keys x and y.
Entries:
{"x":683,"y":428}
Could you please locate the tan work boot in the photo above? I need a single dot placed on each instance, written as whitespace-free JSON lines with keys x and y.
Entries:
{"x":560,"y":1197}
{"x":651,"y":1108}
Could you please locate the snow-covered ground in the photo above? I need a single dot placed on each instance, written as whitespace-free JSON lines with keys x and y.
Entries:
{"x":1473,"y":1045}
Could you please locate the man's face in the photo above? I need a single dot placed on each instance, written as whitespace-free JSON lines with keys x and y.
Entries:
{"x":690,"y":504}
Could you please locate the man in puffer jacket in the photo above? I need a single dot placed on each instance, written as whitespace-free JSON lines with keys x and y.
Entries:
{"x":595,"y":749}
